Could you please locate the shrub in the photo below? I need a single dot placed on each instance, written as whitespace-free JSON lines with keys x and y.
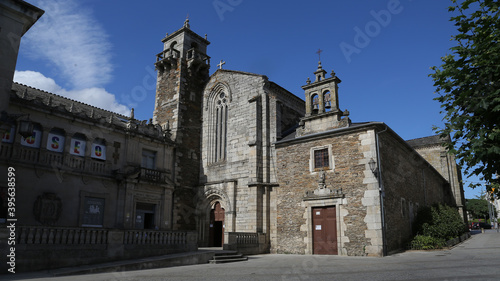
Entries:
{"x":439,"y":221}
{"x":423,"y":242}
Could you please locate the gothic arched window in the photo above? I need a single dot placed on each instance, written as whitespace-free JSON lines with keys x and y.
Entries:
{"x":218,"y":127}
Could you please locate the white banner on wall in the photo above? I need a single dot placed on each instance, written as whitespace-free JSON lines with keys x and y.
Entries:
{"x":55,"y":142}
{"x":98,"y":151}
{"x":34,"y":140}
{"x":8,"y":136}
{"x":77,"y":147}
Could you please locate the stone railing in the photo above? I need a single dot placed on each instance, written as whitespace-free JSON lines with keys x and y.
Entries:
{"x":155,"y":237}
{"x":60,"y":235}
{"x":53,"y":159}
{"x":43,"y":157}
{"x":168,"y":53}
{"x":153,"y":175}
{"x":246,"y":238}
{"x":44,"y":247}
{"x":6,"y":151}
{"x":26,"y":154}
{"x":246,"y":242}
{"x":197,"y":55}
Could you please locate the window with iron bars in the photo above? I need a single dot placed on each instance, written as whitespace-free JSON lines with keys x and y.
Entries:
{"x":321,"y":159}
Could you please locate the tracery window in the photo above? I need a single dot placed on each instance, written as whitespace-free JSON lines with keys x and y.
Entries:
{"x":218,"y":130}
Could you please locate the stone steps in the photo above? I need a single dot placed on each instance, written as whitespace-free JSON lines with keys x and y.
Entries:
{"x":227,"y":257}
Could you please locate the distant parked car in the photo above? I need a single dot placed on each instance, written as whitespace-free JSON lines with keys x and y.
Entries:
{"x":484,"y":225}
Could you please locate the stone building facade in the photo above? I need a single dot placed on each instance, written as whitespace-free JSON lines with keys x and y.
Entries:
{"x":243,"y":115}
{"x":90,"y":185}
{"x":224,"y":126}
{"x":348,"y":188}
{"x":79,"y":153}
{"x":232,"y":159}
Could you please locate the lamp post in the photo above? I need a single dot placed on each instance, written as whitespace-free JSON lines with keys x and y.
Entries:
{"x":25,"y":126}
{"x":373,"y":167}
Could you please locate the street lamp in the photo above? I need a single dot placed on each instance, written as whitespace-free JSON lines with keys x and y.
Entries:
{"x":25,"y":126}
{"x":373,"y":167}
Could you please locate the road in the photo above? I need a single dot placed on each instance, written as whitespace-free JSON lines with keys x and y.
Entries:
{"x":477,"y":258}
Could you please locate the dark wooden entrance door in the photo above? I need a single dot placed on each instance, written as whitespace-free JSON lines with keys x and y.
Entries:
{"x":324,"y":231}
{"x":217,"y":226}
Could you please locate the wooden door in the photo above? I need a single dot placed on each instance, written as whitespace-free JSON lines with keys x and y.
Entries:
{"x":324,"y":230}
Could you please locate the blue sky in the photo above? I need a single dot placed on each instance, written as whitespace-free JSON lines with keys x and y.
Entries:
{"x":102,"y":52}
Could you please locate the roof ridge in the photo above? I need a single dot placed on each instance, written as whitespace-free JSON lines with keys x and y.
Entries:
{"x":241,"y":72}
{"x":66,"y":98}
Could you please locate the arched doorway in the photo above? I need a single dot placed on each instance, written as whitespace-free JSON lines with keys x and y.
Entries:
{"x":216,"y":226}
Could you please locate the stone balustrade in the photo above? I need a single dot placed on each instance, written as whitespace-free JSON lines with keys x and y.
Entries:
{"x":197,"y":55}
{"x":246,"y":242}
{"x":60,"y":235}
{"x":49,"y":159}
{"x":245,"y":238}
{"x":43,"y":157}
{"x":153,"y":175}
{"x":46,"y":247}
{"x":155,"y":237}
{"x":79,"y":235}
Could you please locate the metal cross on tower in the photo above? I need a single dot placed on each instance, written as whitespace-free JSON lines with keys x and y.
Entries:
{"x":319,"y":54}
{"x":221,"y":64}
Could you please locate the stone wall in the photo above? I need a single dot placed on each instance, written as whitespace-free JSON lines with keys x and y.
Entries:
{"x":255,"y":107}
{"x":357,"y":211}
{"x":432,"y":150}
{"x":410,"y":182}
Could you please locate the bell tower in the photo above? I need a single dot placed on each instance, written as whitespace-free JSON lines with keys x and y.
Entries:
{"x":183,"y":71}
{"x":322,"y":104}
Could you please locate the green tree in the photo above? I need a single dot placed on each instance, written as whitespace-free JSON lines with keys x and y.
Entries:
{"x":468,"y":83}
{"x":477,"y":207}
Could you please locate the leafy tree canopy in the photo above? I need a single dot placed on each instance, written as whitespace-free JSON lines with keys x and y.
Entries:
{"x":478,"y":208}
{"x":468,"y":83}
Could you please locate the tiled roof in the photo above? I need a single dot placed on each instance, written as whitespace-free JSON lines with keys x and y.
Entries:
{"x":425,"y":141}
{"x":41,"y":100}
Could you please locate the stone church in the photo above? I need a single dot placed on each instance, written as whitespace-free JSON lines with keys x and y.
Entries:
{"x":230,"y":159}
{"x":257,"y":163}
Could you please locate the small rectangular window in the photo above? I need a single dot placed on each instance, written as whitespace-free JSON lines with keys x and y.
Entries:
{"x":148,"y":159}
{"x":321,"y":158}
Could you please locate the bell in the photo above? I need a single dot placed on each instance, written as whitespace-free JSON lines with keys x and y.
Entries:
{"x":328,"y":103}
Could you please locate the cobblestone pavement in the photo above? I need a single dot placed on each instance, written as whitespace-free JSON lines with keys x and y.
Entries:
{"x":477,"y":258}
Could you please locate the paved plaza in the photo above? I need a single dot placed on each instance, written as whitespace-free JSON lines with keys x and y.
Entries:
{"x":478,"y":258}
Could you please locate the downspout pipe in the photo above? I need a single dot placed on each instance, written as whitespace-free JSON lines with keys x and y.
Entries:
{"x":381,"y":191}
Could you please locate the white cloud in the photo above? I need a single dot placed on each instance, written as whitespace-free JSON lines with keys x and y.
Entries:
{"x":95,"y":96}
{"x":78,"y":50}
{"x":69,"y":37}
{"x":37,"y":80}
